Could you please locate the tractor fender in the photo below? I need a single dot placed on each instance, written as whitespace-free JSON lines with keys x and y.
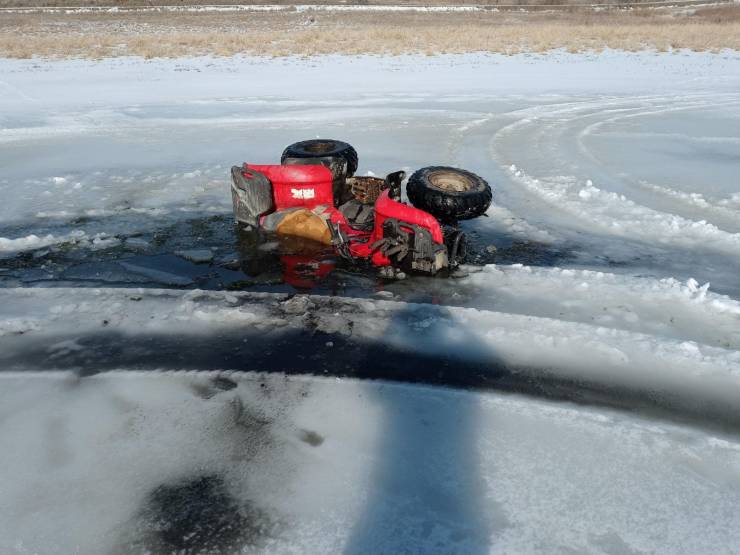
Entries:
{"x":386,"y":208}
{"x":298,"y":186}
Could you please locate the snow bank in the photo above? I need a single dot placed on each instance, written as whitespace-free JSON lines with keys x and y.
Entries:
{"x":35,"y":242}
{"x":617,"y":215}
{"x":662,"y":307}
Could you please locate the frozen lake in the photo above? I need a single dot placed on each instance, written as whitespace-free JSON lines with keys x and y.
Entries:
{"x":595,"y":332}
{"x":623,"y":163}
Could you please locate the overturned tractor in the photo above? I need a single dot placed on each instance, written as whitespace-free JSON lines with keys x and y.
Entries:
{"x":313,"y":194}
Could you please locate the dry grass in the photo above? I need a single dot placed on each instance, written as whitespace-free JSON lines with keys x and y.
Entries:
{"x":148,"y":3}
{"x":290,"y":33}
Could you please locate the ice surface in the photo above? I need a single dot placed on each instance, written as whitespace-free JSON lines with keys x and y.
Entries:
{"x":395,"y":467}
{"x":599,"y":315}
{"x":325,"y":466}
{"x":624,"y":161}
{"x":157,"y":276}
{"x":682,"y":373}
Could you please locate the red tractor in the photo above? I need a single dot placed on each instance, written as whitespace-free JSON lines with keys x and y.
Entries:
{"x":313,"y":194}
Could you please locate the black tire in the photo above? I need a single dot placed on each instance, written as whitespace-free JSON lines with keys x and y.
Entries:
{"x":322,"y":148}
{"x":449,"y":194}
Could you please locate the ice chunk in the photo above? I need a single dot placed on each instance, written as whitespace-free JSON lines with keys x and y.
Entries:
{"x":137,"y":243}
{"x":158,"y":276}
{"x":31,"y":242}
{"x":198,"y":256}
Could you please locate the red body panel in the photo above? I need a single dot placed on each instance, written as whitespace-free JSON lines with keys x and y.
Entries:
{"x":311,"y":187}
{"x":385,"y":208}
{"x":297,"y":186}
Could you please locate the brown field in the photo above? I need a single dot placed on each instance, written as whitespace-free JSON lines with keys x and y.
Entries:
{"x":149,"y":3}
{"x":98,"y":35}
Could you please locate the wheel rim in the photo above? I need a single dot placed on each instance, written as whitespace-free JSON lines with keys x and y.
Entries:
{"x":450,"y":182}
{"x":320,"y":147}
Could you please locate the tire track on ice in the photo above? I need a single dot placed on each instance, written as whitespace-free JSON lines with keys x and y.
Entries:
{"x":595,"y":208}
{"x":719,"y":212}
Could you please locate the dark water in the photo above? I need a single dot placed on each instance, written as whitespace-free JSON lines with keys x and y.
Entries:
{"x":211,"y":253}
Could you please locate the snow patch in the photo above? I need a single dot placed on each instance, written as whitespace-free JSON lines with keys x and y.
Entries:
{"x":667,"y":307}
{"x":31,"y":242}
{"x":98,"y":241}
{"x":616,"y":214}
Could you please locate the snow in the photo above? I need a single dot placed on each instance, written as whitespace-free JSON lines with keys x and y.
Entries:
{"x":615,"y":214}
{"x":9,"y":247}
{"x":597,"y":324}
{"x":35,"y":242}
{"x":668,"y":307}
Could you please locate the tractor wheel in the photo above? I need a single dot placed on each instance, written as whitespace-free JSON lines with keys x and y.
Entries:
{"x":449,"y":194}
{"x":321,"y":148}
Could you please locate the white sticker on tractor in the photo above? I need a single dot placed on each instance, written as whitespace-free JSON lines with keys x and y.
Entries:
{"x":303,"y":193}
